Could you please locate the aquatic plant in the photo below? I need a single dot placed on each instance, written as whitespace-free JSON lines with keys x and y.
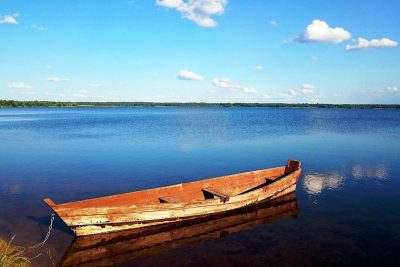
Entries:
{"x":11,"y":255}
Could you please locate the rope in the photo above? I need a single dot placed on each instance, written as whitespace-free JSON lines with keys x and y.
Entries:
{"x":47,"y":235}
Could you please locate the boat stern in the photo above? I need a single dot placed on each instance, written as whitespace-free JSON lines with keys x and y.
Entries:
{"x":292,"y":166}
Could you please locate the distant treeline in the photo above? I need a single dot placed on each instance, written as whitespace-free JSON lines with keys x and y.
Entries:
{"x":14,"y":103}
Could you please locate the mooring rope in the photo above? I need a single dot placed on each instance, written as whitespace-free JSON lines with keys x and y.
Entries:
{"x":47,"y":235}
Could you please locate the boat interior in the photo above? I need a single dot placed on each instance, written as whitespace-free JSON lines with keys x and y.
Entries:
{"x":221,"y":187}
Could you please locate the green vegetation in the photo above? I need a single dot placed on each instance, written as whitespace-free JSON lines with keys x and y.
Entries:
{"x":14,"y":103}
{"x":12,"y":256}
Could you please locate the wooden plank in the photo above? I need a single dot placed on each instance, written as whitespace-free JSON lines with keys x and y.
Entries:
{"x":292,"y":165}
{"x":169,"y":199}
{"x":49,"y":202}
{"x":271,"y":178}
{"x":216,"y":192}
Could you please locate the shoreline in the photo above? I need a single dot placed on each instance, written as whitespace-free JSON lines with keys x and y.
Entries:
{"x":27,"y":104}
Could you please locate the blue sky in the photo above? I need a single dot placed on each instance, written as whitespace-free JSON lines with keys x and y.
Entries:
{"x":301,"y":51}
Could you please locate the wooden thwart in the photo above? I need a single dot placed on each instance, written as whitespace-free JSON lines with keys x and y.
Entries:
{"x":216,"y":192}
{"x":271,"y":178}
{"x":169,"y":199}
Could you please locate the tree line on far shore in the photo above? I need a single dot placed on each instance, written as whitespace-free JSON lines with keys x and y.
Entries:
{"x":15,"y":103}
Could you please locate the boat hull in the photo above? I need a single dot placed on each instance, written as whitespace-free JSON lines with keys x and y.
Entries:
{"x":105,"y":219}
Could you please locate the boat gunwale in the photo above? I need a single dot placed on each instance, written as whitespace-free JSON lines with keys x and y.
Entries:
{"x":251,"y":196}
{"x":66,"y":204}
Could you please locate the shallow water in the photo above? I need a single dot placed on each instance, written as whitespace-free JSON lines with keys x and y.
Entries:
{"x":348,"y":197}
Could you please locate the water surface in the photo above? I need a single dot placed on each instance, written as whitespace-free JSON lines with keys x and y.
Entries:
{"x":348,"y":197}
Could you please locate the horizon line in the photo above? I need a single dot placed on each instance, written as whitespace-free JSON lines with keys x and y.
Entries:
{"x":49,"y":103}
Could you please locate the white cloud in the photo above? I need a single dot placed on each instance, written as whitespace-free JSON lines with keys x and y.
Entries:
{"x":249,"y":90}
{"x":319,"y":31}
{"x":273,"y":23}
{"x":198,"y":11}
{"x":337,"y":95}
{"x":288,"y":41}
{"x":258,"y":68}
{"x":19,"y":85}
{"x":227,"y":84}
{"x":54,"y":94}
{"x":38,"y":27}
{"x":390,"y":90}
{"x":85,"y":94}
{"x":169,"y":3}
{"x":166,"y":95}
{"x":97,"y":85}
{"x":57,"y":79}
{"x":82,"y":93}
{"x":189,"y":75}
{"x":267,"y":96}
{"x":292,"y":92}
{"x":307,"y":89}
{"x":285,"y":95}
{"x":28,"y":93}
{"x":9,"y":19}
{"x":374,"y":43}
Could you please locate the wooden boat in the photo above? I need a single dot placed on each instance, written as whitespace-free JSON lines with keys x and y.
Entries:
{"x":122,"y":247}
{"x":175,"y":203}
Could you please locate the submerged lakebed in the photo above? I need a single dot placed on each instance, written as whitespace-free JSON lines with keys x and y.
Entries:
{"x":347,"y":200}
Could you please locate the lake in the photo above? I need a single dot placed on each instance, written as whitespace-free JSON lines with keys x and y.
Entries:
{"x":347,"y":199}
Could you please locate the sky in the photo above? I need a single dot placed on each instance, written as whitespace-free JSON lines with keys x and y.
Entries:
{"x":275,"y":51}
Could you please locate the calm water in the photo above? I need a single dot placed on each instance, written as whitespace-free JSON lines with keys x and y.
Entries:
{"x":348,"y":195}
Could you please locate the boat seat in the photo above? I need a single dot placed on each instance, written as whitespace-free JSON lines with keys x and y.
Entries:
{"x":271,"y":178}
{"x":210,"y":192}
{"x":168,"y":199}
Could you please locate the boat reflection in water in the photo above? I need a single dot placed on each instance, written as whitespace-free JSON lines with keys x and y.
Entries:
{"x":120,"y":247}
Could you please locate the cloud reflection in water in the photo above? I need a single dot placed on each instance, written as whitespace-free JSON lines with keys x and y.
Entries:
{"x":379,"y":172}
{"x":315,"y":183}
{"x":11,"y":189}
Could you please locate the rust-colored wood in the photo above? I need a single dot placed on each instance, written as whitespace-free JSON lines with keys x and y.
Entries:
{"x":49,"y":202}
{"x":232,"y":184}
{"x":121,"y":247}
{"x":168,"y":199}
{"x":292,"y":165}
{"x":216,"y":192}
{"x":180,"y":202}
